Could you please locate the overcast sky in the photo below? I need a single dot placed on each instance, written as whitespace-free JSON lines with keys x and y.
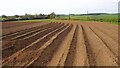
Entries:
{"x":20,"y":7}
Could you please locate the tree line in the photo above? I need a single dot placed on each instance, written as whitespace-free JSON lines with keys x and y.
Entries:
{"x":29,"y":16}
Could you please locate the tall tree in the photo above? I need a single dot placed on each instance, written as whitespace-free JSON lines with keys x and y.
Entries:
{"x":16,"y":16}
{"x":4,"y":16}
{"x":52,"y":15}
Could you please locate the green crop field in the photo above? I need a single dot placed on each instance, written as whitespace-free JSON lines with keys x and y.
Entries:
{"x":2,"y":18}
{"x":111,"y":18}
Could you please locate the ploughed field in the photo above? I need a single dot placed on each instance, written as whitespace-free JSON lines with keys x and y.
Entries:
{"x":59,"y":44}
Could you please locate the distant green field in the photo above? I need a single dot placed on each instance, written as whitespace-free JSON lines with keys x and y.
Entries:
{"x":111,"y":18}
{"x":2,"y":18}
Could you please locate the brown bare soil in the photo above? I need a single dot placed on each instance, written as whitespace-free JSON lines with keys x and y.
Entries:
{"x":68,"y":43}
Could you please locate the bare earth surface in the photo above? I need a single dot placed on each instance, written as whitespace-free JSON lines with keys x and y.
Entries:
{"x":68,"y":43}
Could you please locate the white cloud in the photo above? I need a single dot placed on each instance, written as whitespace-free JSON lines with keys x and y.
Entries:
{"x":11,"y":7}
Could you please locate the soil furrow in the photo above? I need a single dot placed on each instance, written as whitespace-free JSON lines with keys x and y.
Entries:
{"x":91,"y":58}
{"x":109,"y":43}
{"x":70,"y":43}
{"x":24,"y":31}
{"x":15,"y":39}
{"x":66,"y":50}
{"x":31,"y":50}
{"x":109,"y":32}
{"x":46,"y":45}
{"x":16,"y":46}
{"x":57,"y":59}
{"x":81,"y":58}
{"x":102,"y":55}
{"x":37,"y":30}
{"x":15,"y":30}
{"x":46,"y":38}
{"x":72,"y":50}
{"x":48,"y":53}
{"x":14,"y":24}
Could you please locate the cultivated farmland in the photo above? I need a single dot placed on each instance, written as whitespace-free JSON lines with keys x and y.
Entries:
{"x":69,"y":43}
